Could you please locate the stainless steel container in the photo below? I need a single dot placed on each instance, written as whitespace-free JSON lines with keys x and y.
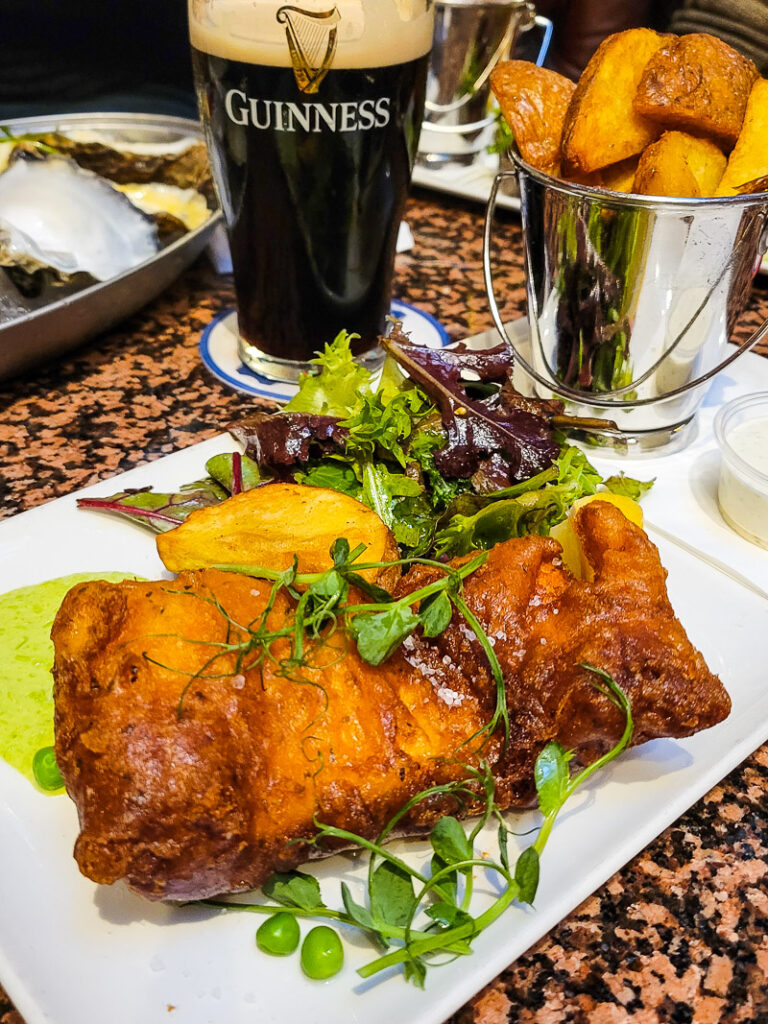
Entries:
{"x":631,"y":299}
{"x":470,"y":38}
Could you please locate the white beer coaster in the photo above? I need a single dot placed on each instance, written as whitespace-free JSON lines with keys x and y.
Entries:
{"x":218,"y":350}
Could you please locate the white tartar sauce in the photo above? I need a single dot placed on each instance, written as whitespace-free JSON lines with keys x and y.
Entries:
{"x":743,"y":496}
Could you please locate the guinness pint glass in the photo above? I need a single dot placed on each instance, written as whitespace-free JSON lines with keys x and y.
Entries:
{"x":312,"y":114}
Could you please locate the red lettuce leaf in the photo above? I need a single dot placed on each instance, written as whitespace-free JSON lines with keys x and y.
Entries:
{"x":503,"y":437}
{"x":277,"y":441}
{"x":158,"y":512}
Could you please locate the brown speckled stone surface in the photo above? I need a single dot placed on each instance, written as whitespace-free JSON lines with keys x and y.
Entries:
{"x":681,"y":933}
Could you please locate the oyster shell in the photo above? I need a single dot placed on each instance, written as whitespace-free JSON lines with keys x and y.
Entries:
{"x":185,"y":166}
{"x":55,"y":214}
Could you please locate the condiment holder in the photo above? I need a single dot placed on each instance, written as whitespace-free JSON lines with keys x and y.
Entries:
{"x":741,"y":430}
{"x":631,"y":300}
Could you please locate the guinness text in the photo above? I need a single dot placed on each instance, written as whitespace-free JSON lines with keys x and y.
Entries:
{"x":283,"y":116}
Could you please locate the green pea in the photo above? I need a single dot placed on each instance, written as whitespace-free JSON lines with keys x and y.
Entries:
{"x":45,"y":769}
{"x":322,"y":954}
{"x":279,"y":935}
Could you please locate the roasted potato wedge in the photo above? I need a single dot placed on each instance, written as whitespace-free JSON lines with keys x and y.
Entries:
{"x":601,"y":125}
{"x":749,"y":159}
{"x":679,"y":164}
{"x":533,"y":101}
{"x":708,"y":163}
{"x":699,"y":84}
{"x":618,"y":177}
{"x":621,"y":176}
{"x":268,"y":525}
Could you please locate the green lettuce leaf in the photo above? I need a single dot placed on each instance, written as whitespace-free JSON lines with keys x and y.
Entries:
{"x":392,"y":379}
{"x":532,"y":506}
{"x":533,"y":512}
{"x":336,"y":473}
{"x":333,"y":391}
{"x":626,"y":485}
{"x":222,"y":469}
{"x":386,"y":425}
{"x":575,"y":469}
{"x":400,"y":501}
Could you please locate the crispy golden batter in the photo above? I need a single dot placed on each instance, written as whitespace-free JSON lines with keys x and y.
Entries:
{"x":185,"y":798}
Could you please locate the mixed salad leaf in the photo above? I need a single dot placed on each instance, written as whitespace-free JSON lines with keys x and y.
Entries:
{"x":441,"y":446}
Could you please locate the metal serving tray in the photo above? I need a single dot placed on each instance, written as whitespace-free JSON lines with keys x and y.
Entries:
{"x":59,"y":326}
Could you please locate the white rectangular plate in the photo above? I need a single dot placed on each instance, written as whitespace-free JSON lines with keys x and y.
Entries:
{"x":72,"y":952}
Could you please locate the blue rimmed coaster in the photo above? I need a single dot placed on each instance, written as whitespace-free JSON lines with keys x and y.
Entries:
{"x":218,"y":350}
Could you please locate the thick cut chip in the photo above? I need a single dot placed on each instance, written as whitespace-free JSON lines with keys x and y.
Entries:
{"x":621,"y":176}
{"x":699,"y":84}
{"x":601,"y":125}
{"x":679,"y":165}
{"x":618,"y":177}
{"x":269,"y":525}
{"x":749,"y":159}
{"x":533,"y":101}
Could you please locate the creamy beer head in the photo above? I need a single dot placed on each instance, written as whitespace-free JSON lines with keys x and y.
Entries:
{"x":341,"y":34}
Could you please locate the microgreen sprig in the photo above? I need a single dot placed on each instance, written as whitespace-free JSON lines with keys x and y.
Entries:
{"x":380,"y":626}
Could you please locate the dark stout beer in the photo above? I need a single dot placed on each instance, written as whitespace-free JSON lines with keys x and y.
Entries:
{"x":312,"y":175}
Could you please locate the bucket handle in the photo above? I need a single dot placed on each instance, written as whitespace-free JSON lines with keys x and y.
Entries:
{"x":547,"y":29}
{"x":557,"y":387}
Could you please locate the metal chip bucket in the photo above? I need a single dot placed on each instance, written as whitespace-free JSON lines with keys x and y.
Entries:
{"x":631,"y":299}
{"x":470,"y":38}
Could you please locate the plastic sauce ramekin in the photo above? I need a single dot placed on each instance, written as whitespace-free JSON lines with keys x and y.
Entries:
{"x":741,"y":430}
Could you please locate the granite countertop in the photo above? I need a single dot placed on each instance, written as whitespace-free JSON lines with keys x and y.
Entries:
{"x":681,"y":933}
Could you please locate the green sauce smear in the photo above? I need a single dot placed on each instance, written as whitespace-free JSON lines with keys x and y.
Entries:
{"x":26,"y":657}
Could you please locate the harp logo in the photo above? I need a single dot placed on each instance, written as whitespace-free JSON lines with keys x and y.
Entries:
{"x":312,"y":43}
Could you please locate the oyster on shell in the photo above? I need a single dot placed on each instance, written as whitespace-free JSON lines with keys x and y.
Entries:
{"x":55,"y":214}
{"x":185,"y":204}
{"x":64,"y":224}
{"x":184,"y":164}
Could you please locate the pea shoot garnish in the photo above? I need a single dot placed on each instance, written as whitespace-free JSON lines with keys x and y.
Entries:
{"x":424,"y":918}
{"x":377,"y":627}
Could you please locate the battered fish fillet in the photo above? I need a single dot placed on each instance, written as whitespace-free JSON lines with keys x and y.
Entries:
{"x":191,"y":781}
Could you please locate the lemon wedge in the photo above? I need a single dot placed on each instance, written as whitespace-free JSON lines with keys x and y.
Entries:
{"x":565,"y":534}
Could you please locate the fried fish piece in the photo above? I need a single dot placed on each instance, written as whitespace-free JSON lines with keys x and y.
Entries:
{"x":699,"y":84}
{"x":533,"y":101}
{"x":194,"y":775}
